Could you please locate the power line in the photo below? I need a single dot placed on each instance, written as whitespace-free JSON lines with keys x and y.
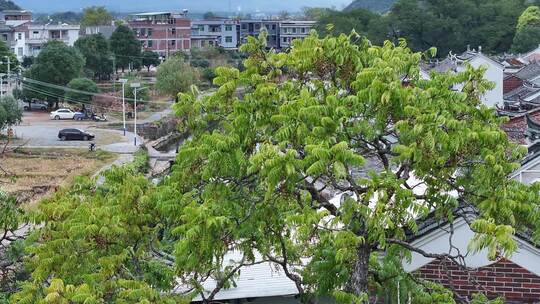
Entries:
{"x":67,"y":89}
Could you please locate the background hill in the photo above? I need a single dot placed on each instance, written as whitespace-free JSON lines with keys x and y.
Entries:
{"x":8,"y":5}
{"x":372,"y":5}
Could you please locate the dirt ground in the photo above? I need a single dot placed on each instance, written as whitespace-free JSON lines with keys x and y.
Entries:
{"x":36,"y":172}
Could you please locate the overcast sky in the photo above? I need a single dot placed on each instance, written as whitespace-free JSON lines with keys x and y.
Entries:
{"x":193,"y":5}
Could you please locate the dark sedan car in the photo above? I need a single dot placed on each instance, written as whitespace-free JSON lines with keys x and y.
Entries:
{"x":75,"y":134}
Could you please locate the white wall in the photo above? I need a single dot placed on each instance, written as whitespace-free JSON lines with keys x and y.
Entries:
{"x":494,"y":73}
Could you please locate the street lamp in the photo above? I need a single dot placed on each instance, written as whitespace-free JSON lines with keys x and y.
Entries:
{"x":135,"y":86}
{"x":124,"y":81}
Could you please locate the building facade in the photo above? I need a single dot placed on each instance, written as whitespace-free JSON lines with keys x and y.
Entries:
{"x":162,"y":32}
{"x":292,"y":30}
{"x":254,"y":28}
{"x":222,"y":33}
{"x":38,"y":35}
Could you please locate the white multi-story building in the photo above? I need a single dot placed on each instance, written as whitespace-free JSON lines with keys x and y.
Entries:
{"x":219,"y":32}
{"x":38,"y":35}
{"x":291,"y":29}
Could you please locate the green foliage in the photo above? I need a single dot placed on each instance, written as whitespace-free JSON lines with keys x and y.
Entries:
{"x":150,"y":59}
{"x":125,"y":47}
{"x":209,"y":16}
{"x":448,"y":25}
{"x":97,"y":245}
{"x":10,"y":113}
{"x":98,"y":57}
{"x":6,"y":52}
{"x":81,"y":84}
{"x":175,"y":75}
{"x":96,"y":15}
{"x":27,"y":61}
{"x":314,"y":13}
{"x":529,"y":17}
{"x":372,"y":5}
{"x":57,"y":64}
{"x":526,"y":39}
{"x":11,"y":219}
{"x":363,"y":21}
{"x":273,"y":144}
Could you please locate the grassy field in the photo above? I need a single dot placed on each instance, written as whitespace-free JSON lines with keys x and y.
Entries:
{"x":37,"y":172}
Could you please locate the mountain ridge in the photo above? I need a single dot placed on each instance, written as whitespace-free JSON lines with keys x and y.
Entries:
{"x":380,"y":6}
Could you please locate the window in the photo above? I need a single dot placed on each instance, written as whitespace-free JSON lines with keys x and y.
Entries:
{"x":149,"y":32}
{"x":244,"y":26}
{"x":5,"y":37}
{"x":257,"y":26}
{"x":173,"y":31}
{"x":273,"y":27}
{"x":284,"y":30}
{"x":150,"y":43}
{"x":294,"y":30}
{"x":228,"y":39}
{"x":20,"y":51}
{"x":284,"y":39}
{"x":303,"y":30}
{"x":19,"y":36}
{"x":228,"y":28}
{"x":173,"y":42}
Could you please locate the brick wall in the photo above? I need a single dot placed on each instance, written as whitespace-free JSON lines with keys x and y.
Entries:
{"x":502,"y":279}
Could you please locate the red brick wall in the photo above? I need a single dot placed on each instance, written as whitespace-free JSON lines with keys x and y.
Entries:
{"x":502,"y":279}
{"x":511,"y":83}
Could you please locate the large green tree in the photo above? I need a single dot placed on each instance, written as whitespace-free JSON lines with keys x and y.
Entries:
{"x":125,"y":47}
{"x":56,"y":64}
{"x":527,"y":35}
{"x":96,"y":15}
{"x":268,"y":151}
{"x":275,"y":142}
{"x":98,"y":57}
{"x":175,"y":75}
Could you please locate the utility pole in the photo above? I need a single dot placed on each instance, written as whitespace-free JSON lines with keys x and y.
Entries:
{"x":135,"y":86}
{"x":124,"y":81}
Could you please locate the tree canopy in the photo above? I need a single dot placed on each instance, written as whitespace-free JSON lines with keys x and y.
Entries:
{"x":175,"y":75}
{"x":56,"y":64}
{"x":10,"y":113}
{"x":333,"y":116}
{"x":97,"y":54}
{"x":527,"y":35}
{"x":125,"y":47}
{"x":5,"y":51}
{"x":449,"y":25}
{"x":150,"y":59}
{"x":96,"y":15}
{"x":81,"y":84}
{"x":318,"y":160}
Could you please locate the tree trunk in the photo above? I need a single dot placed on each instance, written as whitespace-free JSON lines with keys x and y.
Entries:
{"x":358,"y":282}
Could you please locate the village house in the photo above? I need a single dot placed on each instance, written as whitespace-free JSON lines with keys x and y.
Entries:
{"x":162,"y":32}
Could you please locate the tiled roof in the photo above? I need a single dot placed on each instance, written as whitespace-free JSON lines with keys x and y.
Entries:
{"x":530,"y":71}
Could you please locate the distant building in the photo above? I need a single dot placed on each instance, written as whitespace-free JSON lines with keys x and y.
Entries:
{"x":254,"y":28}
{"x":219,"y":32}
{"x":162,"y":32}
{"x":16,"y":15}
{"x":494,"y":72}
{"x":291,"y":30}
{"x":105,"y":30}
{"x":39,"y":35}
